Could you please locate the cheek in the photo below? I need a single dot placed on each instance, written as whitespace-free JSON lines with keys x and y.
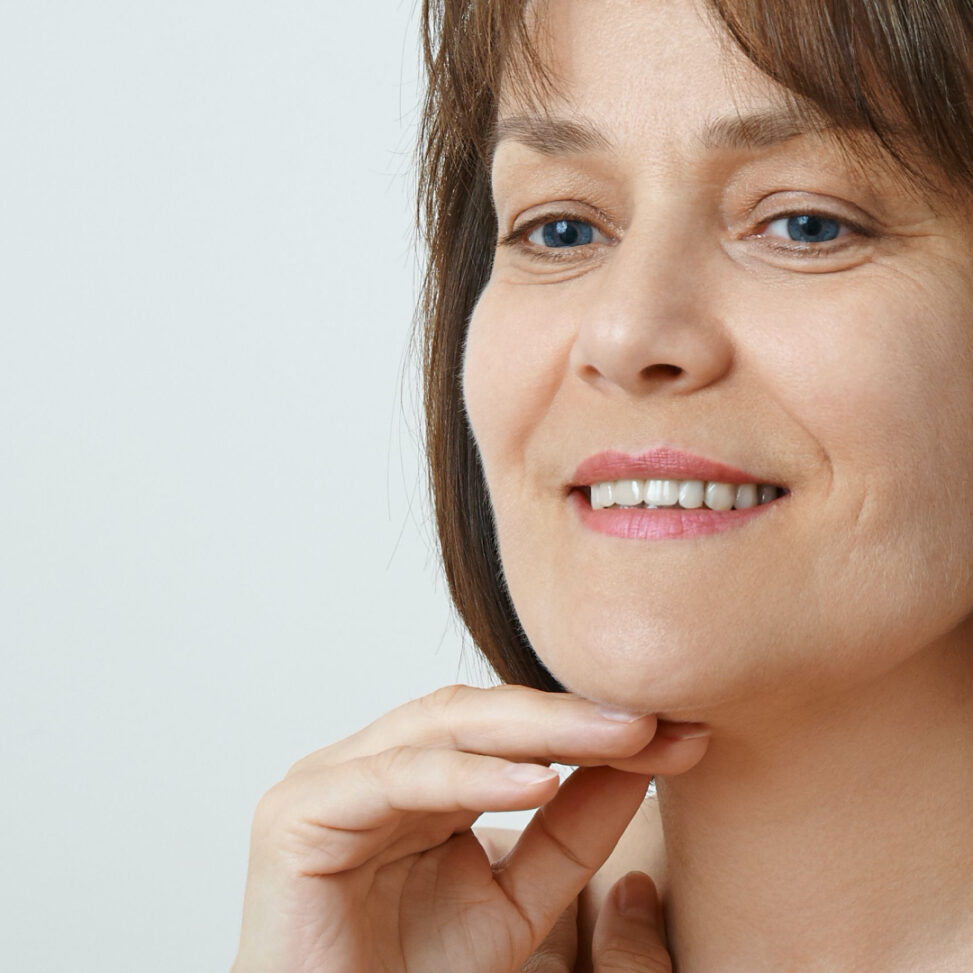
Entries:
{"x":512,"y":369}
{"x":878,"y":372}
{"x":883,"y":383}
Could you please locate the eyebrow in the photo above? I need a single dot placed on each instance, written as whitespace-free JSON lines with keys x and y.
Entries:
{"x":547,"y":135}
{"x":552,"y":136}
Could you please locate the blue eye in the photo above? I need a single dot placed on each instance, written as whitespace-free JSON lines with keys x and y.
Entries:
{"x":562,"y":233}
{"x":807,"y":228}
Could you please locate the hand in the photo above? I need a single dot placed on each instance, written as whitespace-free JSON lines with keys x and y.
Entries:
{"x":362,"y":858}
{"x":628,"y":935}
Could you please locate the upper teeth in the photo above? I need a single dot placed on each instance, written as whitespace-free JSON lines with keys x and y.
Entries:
{"x":680,"y":493}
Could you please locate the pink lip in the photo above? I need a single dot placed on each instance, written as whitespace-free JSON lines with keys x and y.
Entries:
{"x":664,"y":523}
{"x":658,"y":464}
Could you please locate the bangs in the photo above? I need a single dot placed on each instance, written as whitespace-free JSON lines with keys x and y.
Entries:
{"x":890,"y":80}
{"x":892,"y":74}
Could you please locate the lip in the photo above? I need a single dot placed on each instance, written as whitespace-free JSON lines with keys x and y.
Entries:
{"x":662,"y":523}
{"x":662,"y":463}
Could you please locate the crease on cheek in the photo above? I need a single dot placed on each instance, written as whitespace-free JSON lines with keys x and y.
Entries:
{"x":860,"y":515}
{"x":862,"y":532}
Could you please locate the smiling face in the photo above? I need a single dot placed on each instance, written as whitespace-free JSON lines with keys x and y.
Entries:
{"x":669,"y":277}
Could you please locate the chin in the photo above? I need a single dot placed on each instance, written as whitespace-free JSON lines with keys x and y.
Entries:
{"x":641,"y":662}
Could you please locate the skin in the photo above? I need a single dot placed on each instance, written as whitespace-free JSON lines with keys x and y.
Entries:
{"x":827,"y":643}
{"x":362,"y":858}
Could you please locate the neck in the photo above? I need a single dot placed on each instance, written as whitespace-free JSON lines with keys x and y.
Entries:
{"x":838,"y":837}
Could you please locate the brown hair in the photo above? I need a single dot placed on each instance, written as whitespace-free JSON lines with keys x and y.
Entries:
{"x":899,"y":71}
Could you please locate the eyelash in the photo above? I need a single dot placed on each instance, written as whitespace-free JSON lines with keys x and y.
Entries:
{"x":517,"y":238}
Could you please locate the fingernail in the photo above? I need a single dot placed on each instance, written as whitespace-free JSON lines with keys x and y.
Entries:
{"x":529,"y":773}
{"x":684,"y":731}
{"x":618,"y":715}
{"x":634,"y":896}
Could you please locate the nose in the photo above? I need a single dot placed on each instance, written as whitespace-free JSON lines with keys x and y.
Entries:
{"x":652,"y":322}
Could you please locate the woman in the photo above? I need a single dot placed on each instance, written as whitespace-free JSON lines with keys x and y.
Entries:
{"x":699,"y":358}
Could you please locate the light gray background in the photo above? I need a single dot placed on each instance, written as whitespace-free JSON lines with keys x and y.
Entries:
{"x":215,"y":553}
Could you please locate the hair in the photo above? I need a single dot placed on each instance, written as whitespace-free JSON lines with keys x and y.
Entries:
{"x":899,"y":72}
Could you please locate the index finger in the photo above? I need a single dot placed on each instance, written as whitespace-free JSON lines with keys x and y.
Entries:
{"x":514,"y":722}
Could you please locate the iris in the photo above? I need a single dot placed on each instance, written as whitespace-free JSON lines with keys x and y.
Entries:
{"x":808,"y":228}
{"x":567,"y":233}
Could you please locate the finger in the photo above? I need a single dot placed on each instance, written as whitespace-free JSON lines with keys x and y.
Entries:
{"x":628,"y":934}
{"x":558,"y":952}
{"x":509,"y":721}
{"x":567,"y":841}
{"x":676,"y":748}
{"x":339,"y":817}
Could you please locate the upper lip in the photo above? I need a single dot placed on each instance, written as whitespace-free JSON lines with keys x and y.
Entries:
{"x":662,"y":463}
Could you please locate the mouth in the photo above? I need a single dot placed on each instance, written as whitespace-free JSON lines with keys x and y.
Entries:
{"x":684,"y":494}
{"x":666,"y":493}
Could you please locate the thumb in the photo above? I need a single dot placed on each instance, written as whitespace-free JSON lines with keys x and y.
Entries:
{"x":628,"y":936}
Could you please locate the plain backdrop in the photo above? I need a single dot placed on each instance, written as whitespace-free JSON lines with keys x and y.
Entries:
{"x":215,"y":548}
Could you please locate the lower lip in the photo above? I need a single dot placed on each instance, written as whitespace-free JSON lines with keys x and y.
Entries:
{"x":663,"y":523}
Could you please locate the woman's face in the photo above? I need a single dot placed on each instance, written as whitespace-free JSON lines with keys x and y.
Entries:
{"x":679,"y":279}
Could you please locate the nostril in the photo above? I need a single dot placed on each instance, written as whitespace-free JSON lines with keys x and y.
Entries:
{"x":662,"y":370}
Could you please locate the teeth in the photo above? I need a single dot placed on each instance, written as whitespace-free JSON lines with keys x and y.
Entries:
{"x":627,"y":493}
{"x":689,"y":494}
{"x":604,"y":496}
{"x":662,"y":493}
{"x":746,"y":496}
{"x":720,"y":496}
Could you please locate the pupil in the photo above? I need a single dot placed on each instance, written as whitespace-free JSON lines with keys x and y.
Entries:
{"x":812,"y":229}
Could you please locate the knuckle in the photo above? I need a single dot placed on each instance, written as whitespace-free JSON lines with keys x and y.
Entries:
{"x":444,"y":707}
{"x":286,"y":837}
{"x":296,"y":768}
{"x":512,"y":690}
{"x":270,"y":808}
{"x":271,"y":817}
{"x":397,"y":761}
{"x":321,"y":851}
{"x":299,"y":766}
{"x":622,"y":956}
{"x":442,"y":700}
{"x":569,"y":854}
{"x":317,"y":759}
{"x":545,"y":962}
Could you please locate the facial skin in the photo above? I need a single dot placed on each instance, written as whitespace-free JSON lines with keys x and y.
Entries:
{"x":841,"y":370}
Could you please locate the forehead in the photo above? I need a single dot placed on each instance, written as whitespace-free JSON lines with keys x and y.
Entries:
{"x":654,"y":79}
{"x":625,"y":66}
